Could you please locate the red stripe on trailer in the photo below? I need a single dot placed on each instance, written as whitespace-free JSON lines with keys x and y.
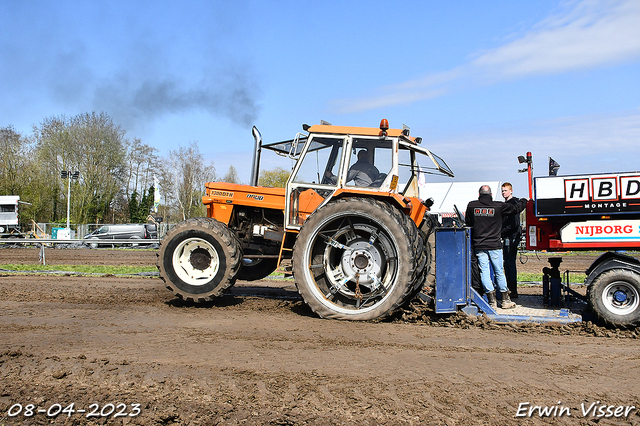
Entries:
{"x":556,"y":244}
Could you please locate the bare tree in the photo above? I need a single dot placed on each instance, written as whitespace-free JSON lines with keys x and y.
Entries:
{"x":141,"y":159}
{"x":231,"y":176}
{"x":186,"y":178}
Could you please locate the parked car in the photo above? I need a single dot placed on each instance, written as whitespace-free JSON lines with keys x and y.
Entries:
{"x":130,"y":231}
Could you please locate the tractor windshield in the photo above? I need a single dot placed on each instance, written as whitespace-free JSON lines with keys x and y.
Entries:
{"x":320,"y":162}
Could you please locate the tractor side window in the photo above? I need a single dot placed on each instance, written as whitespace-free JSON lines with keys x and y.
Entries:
{"x":369,"y":164}
{"x":321,"y":163}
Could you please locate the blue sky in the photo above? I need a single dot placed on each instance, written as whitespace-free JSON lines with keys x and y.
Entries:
{"x":481,"y":82}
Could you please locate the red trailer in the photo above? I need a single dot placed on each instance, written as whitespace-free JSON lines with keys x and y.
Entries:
{"x":593,"y":212}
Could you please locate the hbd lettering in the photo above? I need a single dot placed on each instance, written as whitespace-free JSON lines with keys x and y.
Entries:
{"x":594,"y":409}
{"x":612,"y":190}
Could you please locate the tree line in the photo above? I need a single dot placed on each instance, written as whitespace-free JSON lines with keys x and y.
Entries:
{"x":116,"y":175}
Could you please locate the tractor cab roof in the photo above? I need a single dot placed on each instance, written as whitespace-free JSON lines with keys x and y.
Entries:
{"x":293,"y":147}
{"x":361,"y":131}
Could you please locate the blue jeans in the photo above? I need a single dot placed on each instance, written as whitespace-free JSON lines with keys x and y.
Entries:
{"x":495,"y":257}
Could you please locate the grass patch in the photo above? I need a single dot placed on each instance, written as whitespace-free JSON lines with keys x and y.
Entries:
{"x":85,"y":269}
{"x":574,"y":278}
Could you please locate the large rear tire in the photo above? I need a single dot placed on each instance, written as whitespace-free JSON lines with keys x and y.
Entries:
{"x":199,"y":259}
{"x":354,"y":259}
{"x":426,"y":276}
{"x":615,"y":297}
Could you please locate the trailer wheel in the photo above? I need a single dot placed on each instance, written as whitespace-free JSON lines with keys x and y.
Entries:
{"x":354,"y":260}
{"x":615,"y":297}
{"x":199,"y":259}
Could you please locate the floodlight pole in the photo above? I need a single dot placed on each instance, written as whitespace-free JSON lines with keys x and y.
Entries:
{"x":68,"y":202}
{"x":67,"y":174}
{"x":529,"y":161}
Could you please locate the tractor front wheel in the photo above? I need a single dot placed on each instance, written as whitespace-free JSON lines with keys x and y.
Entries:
{"x":199,"y":259}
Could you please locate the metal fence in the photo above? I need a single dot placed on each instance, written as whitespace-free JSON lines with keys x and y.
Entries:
{"x":45,"y":234}
{"x":49,"y":230}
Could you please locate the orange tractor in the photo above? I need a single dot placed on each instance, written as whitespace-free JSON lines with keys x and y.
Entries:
{"x":350,"y":222}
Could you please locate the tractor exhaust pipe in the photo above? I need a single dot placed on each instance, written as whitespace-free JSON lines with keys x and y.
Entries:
{"x":255,"y":167}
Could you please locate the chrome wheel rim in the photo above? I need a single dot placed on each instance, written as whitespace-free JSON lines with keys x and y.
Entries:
{"x":620,"y":298}
{"x":357,"y":259}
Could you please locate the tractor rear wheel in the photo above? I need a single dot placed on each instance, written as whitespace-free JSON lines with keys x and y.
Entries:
{"x":354,"y":259}
{"x":615,"y":297}
{"x":199,"y":259}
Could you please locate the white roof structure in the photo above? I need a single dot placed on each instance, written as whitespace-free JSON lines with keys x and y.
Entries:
{"x":446,"y":194}
{"x":9,"y":199}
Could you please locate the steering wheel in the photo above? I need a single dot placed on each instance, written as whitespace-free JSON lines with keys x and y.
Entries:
{"x":328,"y":180}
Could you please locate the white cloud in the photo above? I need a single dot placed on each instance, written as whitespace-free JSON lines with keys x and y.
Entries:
{"x":586,"y":34}
{"x":591,"y":34}
{"x":394,"y":97}
{"x":595,"y":143}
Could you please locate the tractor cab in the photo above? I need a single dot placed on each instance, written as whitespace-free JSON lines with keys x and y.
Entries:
{"x":348,"y":224}
{"x":332,"y":161}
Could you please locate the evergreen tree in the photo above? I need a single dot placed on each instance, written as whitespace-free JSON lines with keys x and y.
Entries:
{"x":133,"y":207}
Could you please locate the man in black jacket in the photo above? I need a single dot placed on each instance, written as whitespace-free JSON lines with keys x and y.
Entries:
{"x":485,"y":217}
{"x":511,"y":235}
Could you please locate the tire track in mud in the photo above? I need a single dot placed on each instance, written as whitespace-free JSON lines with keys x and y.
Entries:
{"x":261,"y":360}
{"x":235,"y":395}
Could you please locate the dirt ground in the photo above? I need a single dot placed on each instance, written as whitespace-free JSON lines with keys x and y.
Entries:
{"x":127,"y":352}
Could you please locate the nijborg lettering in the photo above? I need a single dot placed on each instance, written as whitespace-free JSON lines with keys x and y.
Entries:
{"x":592,"y":230}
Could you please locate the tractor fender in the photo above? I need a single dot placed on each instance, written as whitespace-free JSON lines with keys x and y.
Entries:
{"x":611,"y":260}
{"x":409,"y":205}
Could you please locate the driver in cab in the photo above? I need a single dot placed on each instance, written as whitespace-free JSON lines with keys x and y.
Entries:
{"x":362,"y":172}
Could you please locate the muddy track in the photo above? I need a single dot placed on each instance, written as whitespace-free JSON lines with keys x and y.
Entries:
{"x":259,"y":356}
